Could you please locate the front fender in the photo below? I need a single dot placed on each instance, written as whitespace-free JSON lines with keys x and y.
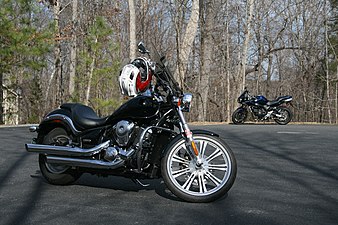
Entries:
{"x":198,"y":131}
{"x":180,"y":136}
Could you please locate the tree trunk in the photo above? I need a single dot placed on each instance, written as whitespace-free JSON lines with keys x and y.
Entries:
{"x":1,"y":99}
{"x":206,"y":55}
{"x":90,"y":75}
{"x":268,"y":77}
{"x":228,"y":66}
{"x":57,"y":59}
{"x":73,"y":50}
{"x":246,"y":43}
{"x":337,"y":96}
{"x":327,"y":70}
{"x":187,"y":42}
{"x":132,"y":27}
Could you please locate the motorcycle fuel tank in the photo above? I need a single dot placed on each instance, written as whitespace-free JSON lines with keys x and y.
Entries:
{"x":137,"y":108}
{"x":261,"y":100}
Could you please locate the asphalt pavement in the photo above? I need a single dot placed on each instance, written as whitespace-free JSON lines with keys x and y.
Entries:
{"x":286,"y":175}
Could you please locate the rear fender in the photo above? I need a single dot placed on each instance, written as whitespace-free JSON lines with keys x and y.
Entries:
{"x":58,"y":118}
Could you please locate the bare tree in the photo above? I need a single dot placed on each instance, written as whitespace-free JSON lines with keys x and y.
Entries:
{"x":57,"y":72}
{"x":247,"y":36}
{"x":185,"y":45}
{"x":132,"y":29}
{"x":228,"y":93}
{"x":207,"y":24}
{"x":73,"y":49}
{"x":1,"y":98}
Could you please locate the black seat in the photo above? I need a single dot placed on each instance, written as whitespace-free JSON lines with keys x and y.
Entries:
{"x":273,"y":103}
{"x":83,"y":116}
{"x":278,"y":101}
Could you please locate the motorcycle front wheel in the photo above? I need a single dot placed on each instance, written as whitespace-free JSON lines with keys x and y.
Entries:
{"x":199,"y":183}
{"x":239,"y":116}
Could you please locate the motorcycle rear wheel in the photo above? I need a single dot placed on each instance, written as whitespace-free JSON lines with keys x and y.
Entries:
{"x":204,"y":183}
{"x":286,"y":116}
{"x":54,"y":173}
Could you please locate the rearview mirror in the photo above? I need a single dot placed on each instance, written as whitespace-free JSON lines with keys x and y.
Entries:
{"x":141,"y":48}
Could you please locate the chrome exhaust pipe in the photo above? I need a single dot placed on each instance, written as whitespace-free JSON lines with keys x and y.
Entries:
{"x":66,"y":150}
{"x":89,"y":163}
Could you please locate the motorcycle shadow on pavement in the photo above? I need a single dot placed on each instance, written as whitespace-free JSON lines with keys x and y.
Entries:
{"x":127,"y":185}
{"x":254,"y":123}
{"x":118,"y":184}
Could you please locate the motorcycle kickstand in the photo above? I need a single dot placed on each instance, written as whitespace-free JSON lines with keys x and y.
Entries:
{"x":137,"y":181}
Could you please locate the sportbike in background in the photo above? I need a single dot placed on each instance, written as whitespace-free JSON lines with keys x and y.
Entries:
{"x":262,"y":109}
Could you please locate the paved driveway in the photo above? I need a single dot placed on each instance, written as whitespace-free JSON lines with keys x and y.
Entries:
{"x":286,"y":175}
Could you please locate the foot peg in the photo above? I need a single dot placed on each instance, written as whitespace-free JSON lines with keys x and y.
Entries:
{"x":126,"y":154}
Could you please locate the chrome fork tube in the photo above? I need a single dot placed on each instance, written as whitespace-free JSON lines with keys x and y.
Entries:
{"x":189,"y":137}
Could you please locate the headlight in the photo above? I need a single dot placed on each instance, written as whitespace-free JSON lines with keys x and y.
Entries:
{"x":186,"y":101}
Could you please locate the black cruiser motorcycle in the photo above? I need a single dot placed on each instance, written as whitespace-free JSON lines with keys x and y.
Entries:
{"x":147,"y":137}
{"x":262,"y":109}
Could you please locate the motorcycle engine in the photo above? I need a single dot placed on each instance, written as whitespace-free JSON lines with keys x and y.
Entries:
{"x":259,"y":112}
{"x":123,"y":132}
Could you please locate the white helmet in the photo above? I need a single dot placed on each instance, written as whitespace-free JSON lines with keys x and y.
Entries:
{"x":127,"y":80}
{"x":135,"y":77}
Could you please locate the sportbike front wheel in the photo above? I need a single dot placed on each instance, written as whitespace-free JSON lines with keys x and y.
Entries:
{"x":239,"y":116}
{"x":199,"y":182}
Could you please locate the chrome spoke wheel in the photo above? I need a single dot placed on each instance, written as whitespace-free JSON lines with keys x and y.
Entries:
{"x":205,"y":178}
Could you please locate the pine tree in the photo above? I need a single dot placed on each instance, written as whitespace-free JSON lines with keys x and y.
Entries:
{"x":98,"y":70}
{"x":22,"y":43}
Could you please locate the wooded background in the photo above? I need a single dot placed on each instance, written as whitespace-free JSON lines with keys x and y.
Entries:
{"x":60,"y":51}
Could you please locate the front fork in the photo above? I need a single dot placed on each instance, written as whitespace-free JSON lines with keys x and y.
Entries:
{"x":190,"y":143}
